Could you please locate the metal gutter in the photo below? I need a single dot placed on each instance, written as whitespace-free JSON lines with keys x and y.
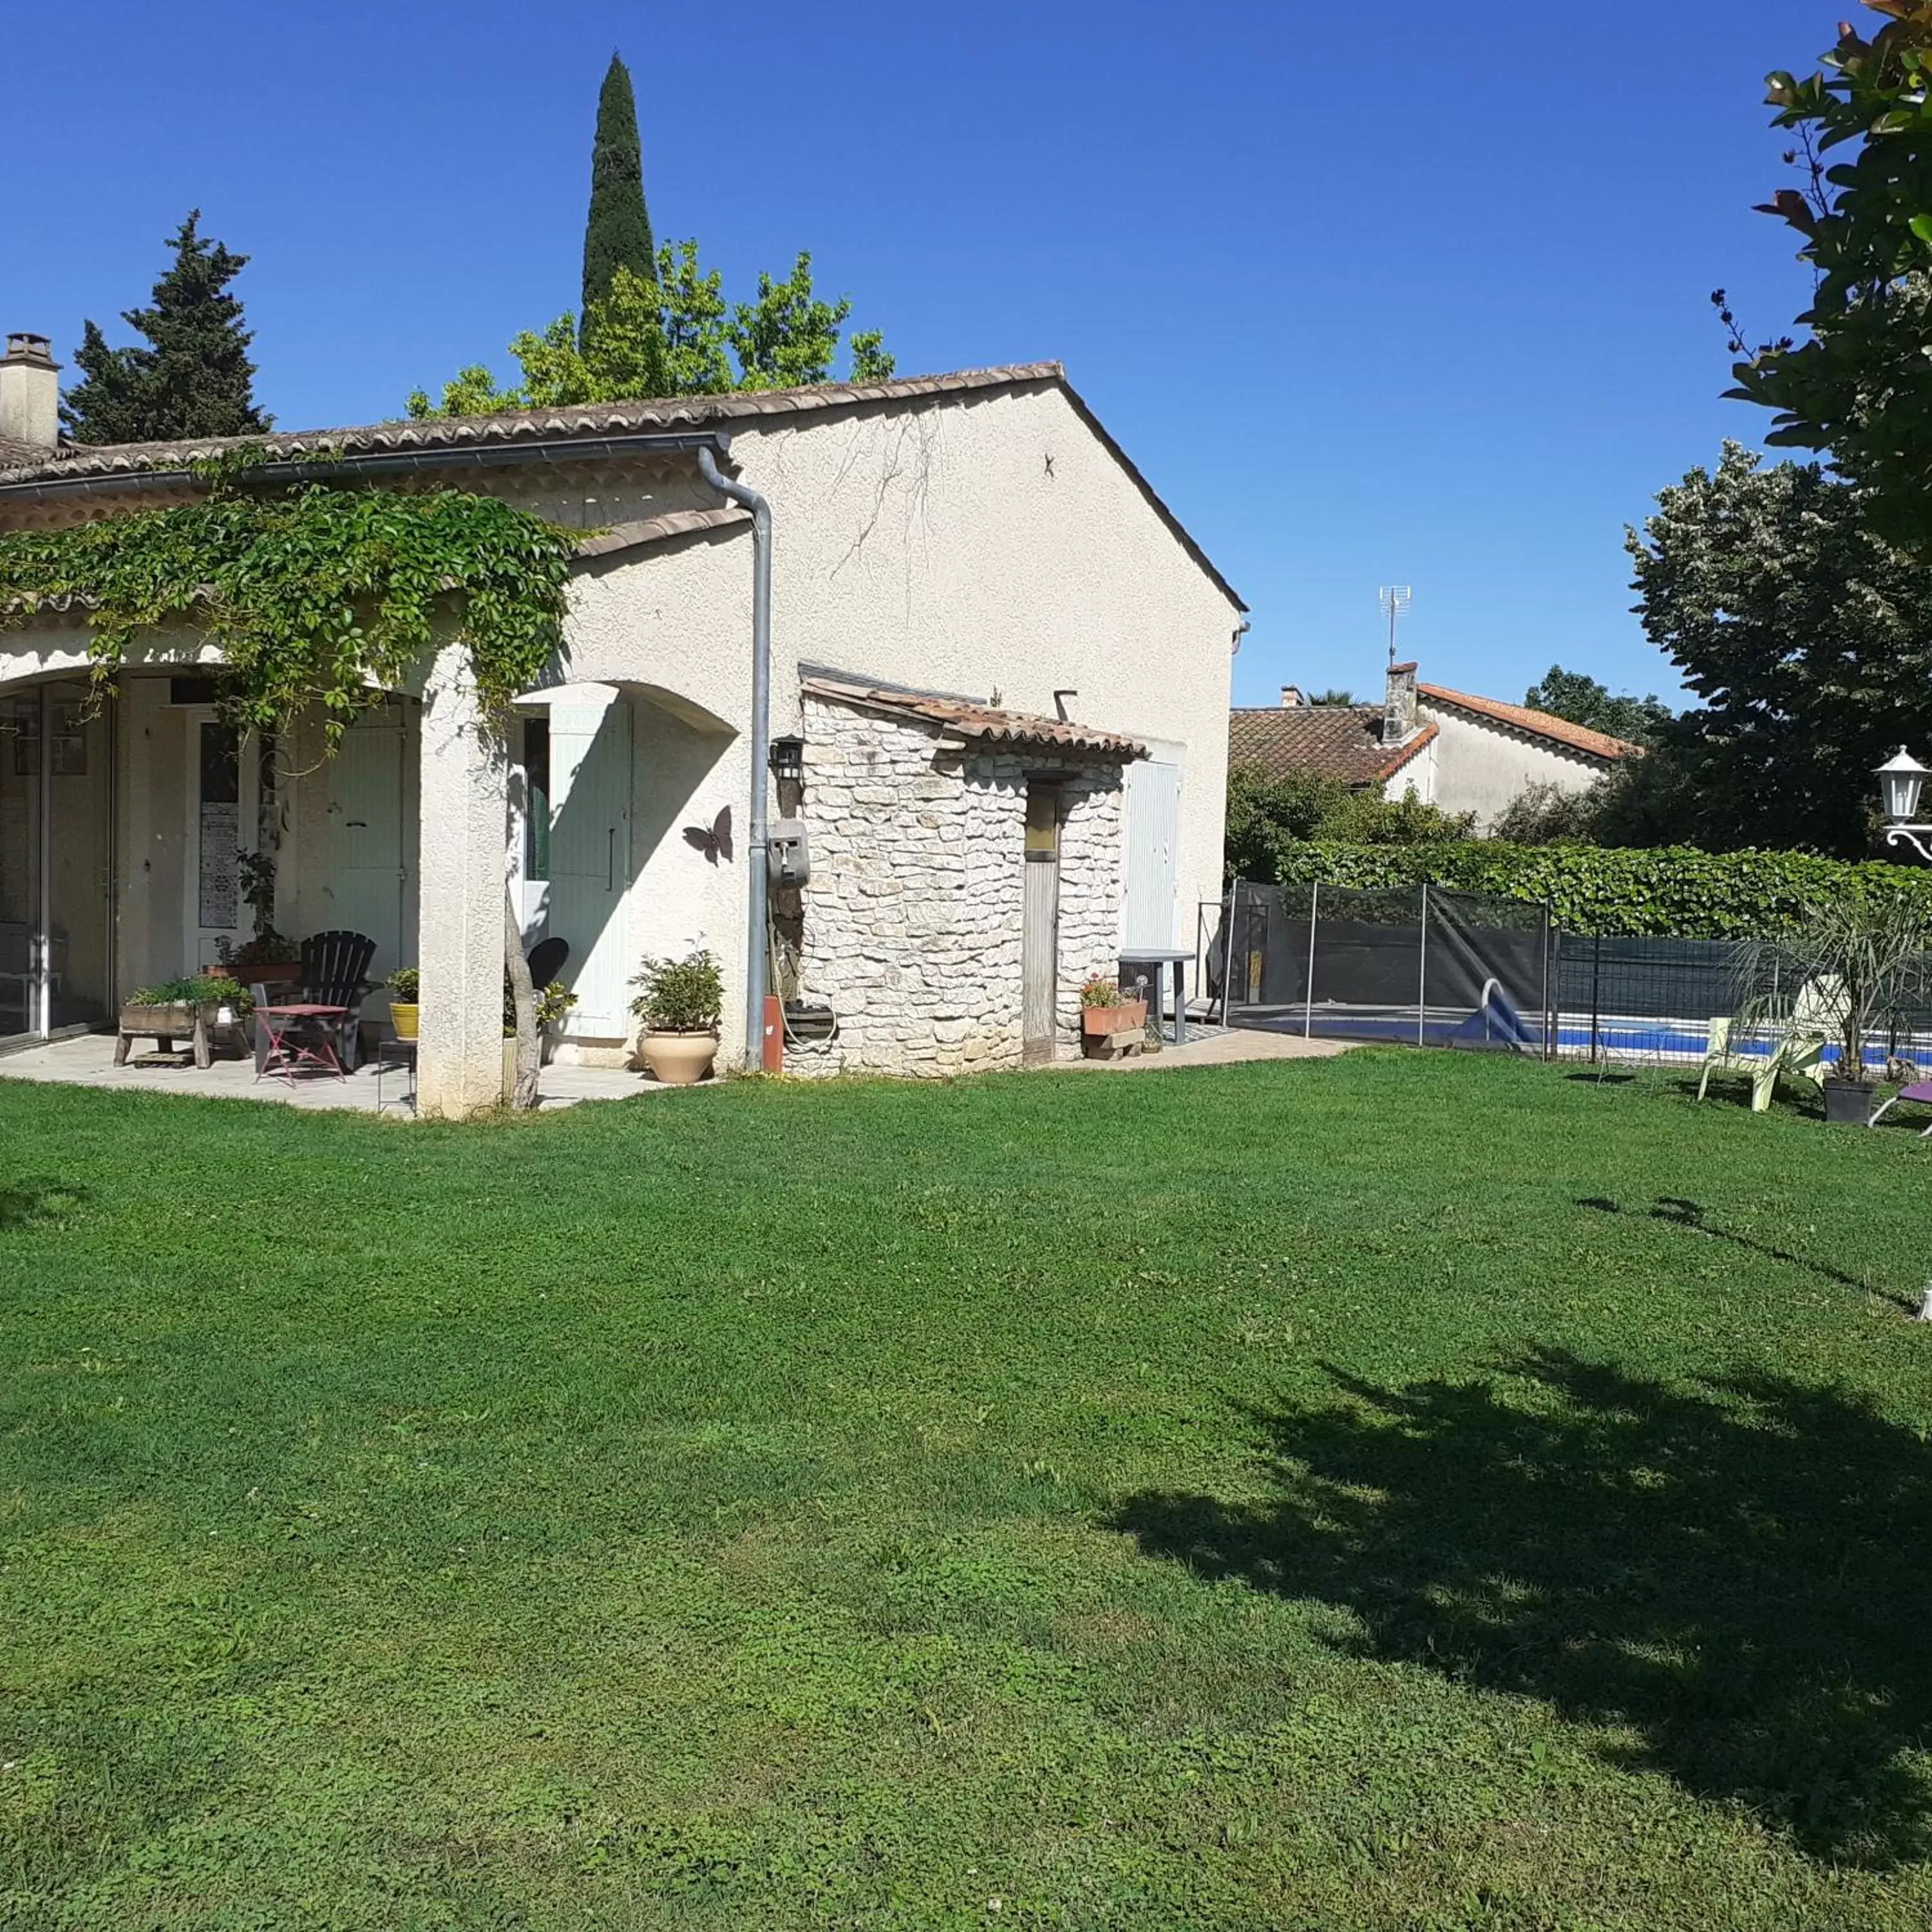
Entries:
{"x":747,"y":498}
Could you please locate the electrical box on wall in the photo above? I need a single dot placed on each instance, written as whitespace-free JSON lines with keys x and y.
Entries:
{"x":788,"y":855}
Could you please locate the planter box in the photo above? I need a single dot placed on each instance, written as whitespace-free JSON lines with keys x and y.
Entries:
{"x":164,"y":1025}
{"x":1107,"y":1032}
{"x":269,"y":973}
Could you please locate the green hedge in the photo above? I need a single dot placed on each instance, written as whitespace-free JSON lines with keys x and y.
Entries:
{"x":1669,"y":891}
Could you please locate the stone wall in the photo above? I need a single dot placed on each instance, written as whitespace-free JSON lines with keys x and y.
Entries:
{"x":912,"y":930}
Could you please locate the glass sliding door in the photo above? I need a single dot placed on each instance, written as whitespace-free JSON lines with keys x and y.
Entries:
{"x":21,"y":822}
{"x":56,"y":861}
{"x":78,"y":949}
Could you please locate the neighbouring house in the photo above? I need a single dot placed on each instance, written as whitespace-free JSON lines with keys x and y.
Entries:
{"x":1446,"y":747}
{"x":1000,"y":673}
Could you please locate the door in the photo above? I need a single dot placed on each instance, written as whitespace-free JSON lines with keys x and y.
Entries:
{"x":1149,"y":915}
{"x":1039,"y":950}
{"x":56,"y":861}
{"x":589,"y":753}
{"x":368,"y":878}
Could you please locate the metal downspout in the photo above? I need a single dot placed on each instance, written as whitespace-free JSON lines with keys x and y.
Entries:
{"x":744,"y":496}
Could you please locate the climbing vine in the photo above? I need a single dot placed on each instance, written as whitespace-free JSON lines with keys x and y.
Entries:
{"x":315,"y":595}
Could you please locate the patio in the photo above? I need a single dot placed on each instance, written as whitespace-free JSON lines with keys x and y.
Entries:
{"x":88,"y":1061}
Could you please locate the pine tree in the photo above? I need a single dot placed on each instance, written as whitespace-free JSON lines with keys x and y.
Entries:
{"x":193,"y":377}
{"x":618,"y":233}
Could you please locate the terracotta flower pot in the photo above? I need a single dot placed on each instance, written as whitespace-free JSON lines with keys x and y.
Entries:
{"x":679,"y":1059}
{"x":1107,"y":1031}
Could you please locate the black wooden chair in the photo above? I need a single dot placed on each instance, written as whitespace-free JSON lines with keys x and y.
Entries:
{"x":335,"y":973}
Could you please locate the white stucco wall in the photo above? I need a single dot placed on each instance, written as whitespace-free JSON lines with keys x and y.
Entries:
{"x":1485,"y":768}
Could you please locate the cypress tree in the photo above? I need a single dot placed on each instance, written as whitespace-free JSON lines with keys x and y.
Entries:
{"x":193,"y":377}
{"x":618,"y":233}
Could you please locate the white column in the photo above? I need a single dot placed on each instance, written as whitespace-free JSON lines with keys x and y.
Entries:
{"x":465,"y":822}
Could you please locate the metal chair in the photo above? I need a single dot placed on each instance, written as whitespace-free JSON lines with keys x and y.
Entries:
{"x":335,"y":973}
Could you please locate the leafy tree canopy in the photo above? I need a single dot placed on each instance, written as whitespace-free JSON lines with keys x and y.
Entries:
{"x":617,"y":234}
{"x":1266,"y":815}
{"x":1584,"y":700}
{"x":676,"y":336}
{"x":192,"y":378}
{"x":1334,"y":695}
{"x":1807,"y":638}
{"x":1859,"y":385}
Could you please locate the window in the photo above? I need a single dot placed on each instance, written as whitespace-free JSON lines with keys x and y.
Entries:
{"x":536,"y":811}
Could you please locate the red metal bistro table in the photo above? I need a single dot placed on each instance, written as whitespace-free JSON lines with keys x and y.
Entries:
{"x":293,"y":1040}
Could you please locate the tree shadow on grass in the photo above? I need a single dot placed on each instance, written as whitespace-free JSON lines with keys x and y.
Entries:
{"x":1733,"y":1576}
{"x":1680,"y":1213}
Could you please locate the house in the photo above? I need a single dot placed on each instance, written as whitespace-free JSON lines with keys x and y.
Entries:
{"x":998,"y":687}
{"x":1446,"y":747}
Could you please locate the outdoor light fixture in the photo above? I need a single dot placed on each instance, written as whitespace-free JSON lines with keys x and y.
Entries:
{"x":1901,"y":781}
{"x":788,"y":758}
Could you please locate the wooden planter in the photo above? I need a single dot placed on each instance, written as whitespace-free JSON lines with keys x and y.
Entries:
{"x":1108,"y":1032}
{"x":164,"y":1025}
{"x":269,"y":973}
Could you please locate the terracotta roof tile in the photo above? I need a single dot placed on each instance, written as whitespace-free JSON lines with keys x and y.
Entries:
{"x":589,"y":420}
{"x":966,"y":719}
{"x":1337,"y":741}
{"x":1537,"y":723}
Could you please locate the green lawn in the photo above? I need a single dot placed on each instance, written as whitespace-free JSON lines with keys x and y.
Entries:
{"x":1401,"y":1492}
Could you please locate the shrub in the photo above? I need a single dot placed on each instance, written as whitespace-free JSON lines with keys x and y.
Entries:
{"x":404,"y":984}
{"x":1100,"y":991}
{"x":1672,"y":891}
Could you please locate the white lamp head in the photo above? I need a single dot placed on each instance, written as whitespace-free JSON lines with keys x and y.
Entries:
{"x":1900,"y":780}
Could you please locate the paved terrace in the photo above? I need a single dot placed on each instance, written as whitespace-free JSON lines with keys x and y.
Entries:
{"x":88,"y":1061}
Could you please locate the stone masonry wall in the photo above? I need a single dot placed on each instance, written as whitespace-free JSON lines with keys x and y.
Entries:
{"x":913,"y":917}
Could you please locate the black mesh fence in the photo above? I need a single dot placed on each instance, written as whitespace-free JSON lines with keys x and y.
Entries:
{"x":1436,"y":968}
{"x":1417,"y":963}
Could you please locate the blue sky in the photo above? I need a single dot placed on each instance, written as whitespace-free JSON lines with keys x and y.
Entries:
{"x":1415,"y":292}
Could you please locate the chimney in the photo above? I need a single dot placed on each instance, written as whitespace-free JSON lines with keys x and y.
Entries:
{"x":1292,"y":697}
{"x":30,"y":394}
{"x":1399,"y":705}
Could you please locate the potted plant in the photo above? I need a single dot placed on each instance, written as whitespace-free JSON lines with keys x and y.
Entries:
{"x":269,"y":958}
{"x":678,"y":1005}
{"x":1846,"y":969}
{"x":1110,"y":1024}
{"x":554,"y":1005}
{"x":404,"y":986}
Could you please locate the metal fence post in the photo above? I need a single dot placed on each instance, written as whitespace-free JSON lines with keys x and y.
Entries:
{"x":1596,"y":981}
{"x":1422,"y":974}
{"x":1308,"y":985}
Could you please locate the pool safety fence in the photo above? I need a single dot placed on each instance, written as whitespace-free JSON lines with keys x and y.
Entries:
{"x":1416,"y":964}
{"x":1430,"y":967}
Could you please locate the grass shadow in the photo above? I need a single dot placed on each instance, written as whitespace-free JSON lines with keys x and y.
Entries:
{"x":1721,"y":1577}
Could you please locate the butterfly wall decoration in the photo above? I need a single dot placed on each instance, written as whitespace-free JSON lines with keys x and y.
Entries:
{"x":714,"y":841}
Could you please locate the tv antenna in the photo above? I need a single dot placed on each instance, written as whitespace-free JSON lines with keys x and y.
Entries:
{"x":1396,"y":598}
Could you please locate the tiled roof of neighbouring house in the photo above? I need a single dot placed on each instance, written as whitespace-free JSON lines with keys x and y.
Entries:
{"x":1337,"y":741}
{"x":1537,"y":723}
{"x":588,"y":421}
{"x":964,"y":719}
{"x":13,"y":455}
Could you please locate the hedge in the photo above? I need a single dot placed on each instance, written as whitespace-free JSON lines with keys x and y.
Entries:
{"x":1673,"y":891}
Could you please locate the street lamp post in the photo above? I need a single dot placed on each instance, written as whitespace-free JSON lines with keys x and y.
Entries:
{"x":1901,"y":782}
{"x":1901,"y":779}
